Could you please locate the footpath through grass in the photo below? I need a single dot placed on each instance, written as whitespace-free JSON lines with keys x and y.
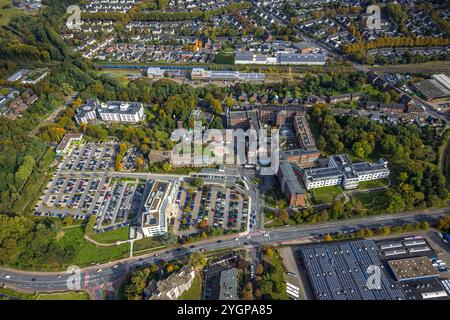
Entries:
{"x":372,"y":201}
{"x":86,"y":253}
{"x":7,"y":294}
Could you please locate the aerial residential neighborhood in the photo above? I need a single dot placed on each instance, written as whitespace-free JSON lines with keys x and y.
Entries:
{"x":250,"y":152}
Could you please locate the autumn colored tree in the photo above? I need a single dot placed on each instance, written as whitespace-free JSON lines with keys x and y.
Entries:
{"x":139,"y":162}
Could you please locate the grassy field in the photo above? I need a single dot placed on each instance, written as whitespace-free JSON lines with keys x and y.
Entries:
{"x":43,"y":296}
{"x":87,"y":253}
{"x":6,"y":293}
{"x":8,"y":11}
{"x":325,"y":194}
{"x":432,"y":67}
{"x":371,"y":91}
{"x":147,"y":244}
{"x":276,"y":273}
{"x":121,"y":234}
{"x":64,"y":296}
{"x":444,"y":160}
{"x":273,"y":221}
{"x":373,"y":184}
{"x":372,"y":200}
{"x":195,"y":292}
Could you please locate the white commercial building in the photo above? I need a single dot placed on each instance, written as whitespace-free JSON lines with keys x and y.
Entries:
{"x":249,"y":57}
{"x":112,"y":111}
{"x":341,"y":171}
{"x":155,"y":73}
{"x":442,"y":79}
{"x":157,"y":205}
{"x":64,"y":145}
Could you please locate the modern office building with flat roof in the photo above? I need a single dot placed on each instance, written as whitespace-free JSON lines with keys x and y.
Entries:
{"x":156,"y":207}
{"x":341,"y":171}
{"x":111,"y":111}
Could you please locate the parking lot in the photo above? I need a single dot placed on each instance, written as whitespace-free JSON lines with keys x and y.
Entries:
{"x":115,"y":202}
{"x":211,"y":206}
{"x":95,"y":157}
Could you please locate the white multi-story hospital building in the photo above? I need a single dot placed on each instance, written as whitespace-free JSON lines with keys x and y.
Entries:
{"x":341,"y":171}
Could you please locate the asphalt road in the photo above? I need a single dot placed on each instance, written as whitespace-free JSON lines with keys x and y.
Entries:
{"x":92,"y":278}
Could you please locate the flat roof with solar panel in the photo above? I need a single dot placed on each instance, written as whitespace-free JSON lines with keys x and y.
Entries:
{"x":338,"y":271}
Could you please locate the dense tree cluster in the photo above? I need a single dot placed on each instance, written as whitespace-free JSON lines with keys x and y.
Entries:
{"x":27,"y":244}
{"x":161,"y":15}
{"x":410,"y":150}
{"x":139,"y":280}
{"x":270,"y":283}
{"x":381,"y":231}
{"x":382,"y":42}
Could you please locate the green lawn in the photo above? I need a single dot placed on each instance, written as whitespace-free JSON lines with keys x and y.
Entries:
{"x":371,"y":91}
{"x":121,"y":234}
{"x":373,"y":184}
{"x":372,"y":200}
{"x":87,"y":253}
{"x":8,"y":11}
{"x":44,"y":296}
{"x":64,"y":296}
{"x":147,"y":244}
{"x":276,"y":274}
{"x":195,"y":292}
{"x":325,"y":194}
{"x":272,"y":220}
{"x":9,"y":293}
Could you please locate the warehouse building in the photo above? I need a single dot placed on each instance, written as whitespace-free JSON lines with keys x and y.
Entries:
{"x":409,"y":247}
{"x":302,"y":59}
{"x":248,"y":57}
{"x":207,"y":75}
{"x":432,"y":89}
{"x":342,"y":271}
{"x":155,"y":73}
{"x":412,"y":269}
{"x":339,"y":272}
{"x":442,"y":79}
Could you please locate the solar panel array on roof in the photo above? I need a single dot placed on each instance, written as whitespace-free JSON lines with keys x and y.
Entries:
{"x":339,"y":272}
